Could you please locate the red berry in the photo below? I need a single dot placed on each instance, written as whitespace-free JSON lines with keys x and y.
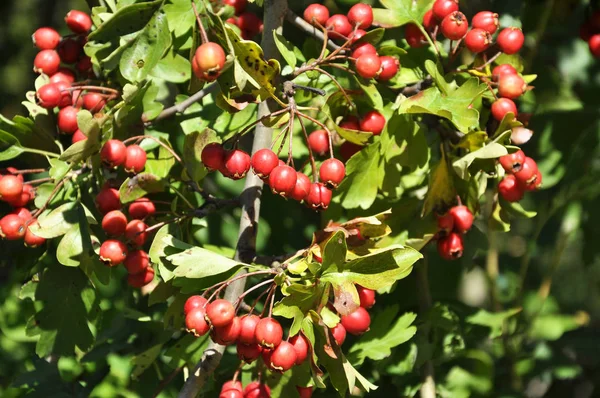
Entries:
{"x":141,"y":209}
{"x":350,"y":123}
{"x":283,"y":180}
{"x":94,"y":102}
{"x":389,"y":67}
{"x":227,"y":334}
{"x":268,"y":333}
{"x":429,"y":21}
{"x":283,"y":357}
{"x":413,"y":35}
{"x":249,"y":24}
{"x":65,"y":95}
{"x":236,"y":164}
{"x":318,"y":141}
{"x":248,"y":328}
{"x":46,"y":38}
{"x":487,"y":21}
{"x":11,"y":187}
{"x":362,"y":49}
{"x":12,"y":227}
{"x":502,"y":70}
{"x":339,"y":334}
{"x":46,"y":61}
{"x":511,"y":86}
{"x":78,"y":136}
{"x":263,"y":162}
{"x":210,"y":59}
{"x":302,"y":187}
{"x":31,"y":239}
{"x":136,"y":262}
{"x":348,"y":149}
{"x":84,"y":65}
{"x":248,"y":352}
{"x":317,"y":12}
{"x":510,"y":189}
{"x":442,"y":8}
{"x":455,"y":26}
{"x":372,"y":122}
{"x":22,"y":199}
{"x":113,"y":252}
{"x":366,"y":296}
{"x":594,"y":44}
{"x":69,"y":51}
{"x":135,"y":159}
{"x":23,"y":213}
{"x":213,"y":156}
{"x":357,"y":35}
{"x":257,"y":390}
{"x":231,"y":394}
{"x":463,"y":218}
{"x":511,"y":40}
{"x":232,"y":385}
{"x":63,"y":75}
{"x":78,"y":21}
{"x":67,"y":120}
{"x":357,"y":322}
{"x":534,"y":183}
{"x":113,"y":153}
{"x":318,"y":197}
{"x":527,"y":172}
{"x":108,"y":199}
{"x":503,"y":106}
{"x":338,"y":26}
{"x":360,"y":15}
{"x":332,"y":172}
{"x":368,"y":65}
{"x":114,"y":223}
{"x":450,"y":247}
{"x":195,"y":322}
{"x":77,"y":98}
{"x":239,"y":5}
{"x":135,"y":232}
{"x":301,"y":345}
{"x":194,"y":302}
{"x":445,"y":222}
{"x":478,"y":40}
{"x":49,"y":96}
{"x":220,"y":313}
{"x":304,"y":392}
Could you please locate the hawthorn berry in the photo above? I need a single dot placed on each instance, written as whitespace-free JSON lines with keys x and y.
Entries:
{"x":141,"y":208}
{"x":450,"y":247}
{"x":513,"y":161}
{"x":318,"y":141}
{"x":231,"y":394}
{"x":46,"y":61}
{"x":94,"y":102}
{"x":78,"y":21}
{"x":304,"y":392}
{"x":22,"y":199}
{"x":232,"y":385}
{"x":318,"y":197}
{"x":220,"y":313}
{"x":10,"y":187}
{"x":227,"y":334}
{"x":455,"y":26}
{"x":257,"y":389}
{"x":366,"y":296}
{"x":238,"y":5}
{"x":249,"y":24}
{"x":487,"y":21}
{"x":511,"y":86}
{"x":135,"y":159}
{"x":443,"y":8}
{"x":248,"y":328}
{"x":301,"y":345}
{"x":413,"y":35}
{"x":356,"y":322}
{"x":283,"y":358}
{"x":268,"y":333}
{"x":65,"y":96}
{"x":263,"y":162}
{"x":248,"y":352}
{"x":368,"y":65}
{"x":445,"y":222}
{"x":502,"y":70}
{"x":135,"y":232}
{"x":348,"y":149}
{"x":302,"y":187}
{"x":372,"y":122}
{"x":113,"y":252}
{"x":332,"y":172}
{"x":429,"y":21}
{"x":141,"y":279}
{"x":356,"y":35}
{"x":283,"y":180}
{"x":237,"y":164}
{"x":339,"y":333}
{"x":338,"y":26}
{"x":210,"y":59}
{"x":510,"y":40}
{"x":317,"y":12}
{"x":527,"y":172}
{"x":31,"y":239}
{"x":194,"y":302}
{"x":503,"y":106}
{"x":213,"y":156}
{"x":594,"y":45}
{"x":510,"y":190}
{"x":463,"y":218}
{"x":12,"y":227}
{"x":478,"y":40}
{"x":113,"y":153}
{"x":69,"y":51}
{"x":78,"y":136}
{"x":195,"y":322}
{"x":46,"y":38}
{"x":360,"y":15}
{"x":67,"y":119}
{"x":362,"y":49}
{"x":23,"y":213}
{"x":534,"y":183}
{"x":389,"y":67}
{"x":49,"y":96}
{"x":114,"y":223}
{"x":136,"y":261}
{"x":84,"y":65}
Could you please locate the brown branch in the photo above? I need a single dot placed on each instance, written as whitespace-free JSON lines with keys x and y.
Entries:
{"x":308,"y":28}
{"x":183,"y":105}
{"x":425,"y":304}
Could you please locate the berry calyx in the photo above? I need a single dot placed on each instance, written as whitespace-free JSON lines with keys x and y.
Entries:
{"x":389,"y":67}
{"x":49,"y":96}
{"x":136,"y":261}
{"x":67,"y":119}
{"x":283,"y":180}
{"x":509,"y":189}
{"x":503,"y":106}
{"x":511,"y":86}
{"x":210,"y":60}
{"x":263,"y":162}
{"x":46,"y":38}
{"x":368,"y":65}
{"x":332,"y":172}
{"x":302,"y":187}
{"x":463,"y":218}
{"x":237,"y":164}
{"x":141,"y":208}
{"x":248,"y":352}
{"x":195,"y":322}
{"x":455,"y":26}
{"x":318,"y":141}
{"x":357,"y":322}
{"x":478,"y":40}
{"x":113,"y":252}
{"x":450,"y":247}
{"x":78,"y":21}
{"x":318,"y":197}
{"x":194,"y":302}
{"x":510,"y":40}
{"x":114,"y":223}
{"x":361,"y":16}
{"x":338,"y":26}
{"x":108,"y":199}
{"x":113,"y":153}
{"x":445,"y":222}
{"x":220,"y":313}
{"x":11,"y":187}
{"x":213,"y":156}
{"x":227,"y":334}
{"x":413,"y":35}
{"x":372,"y":122}
{"x":527,"y":173}
{"x":135,"y":232}
{"x":31,"y":239}
{"x":487,"y":21}
{"x":12,"y":227}
{"x":283,"y":357}
{"x":316,"y":13}
{"x":268,"y":333}
{"x":135,"y":159}
{"x":301,"y":345}
{"x":248,"y":328}
{"x":339,"y":334}
{"x":443,"y":8}
{"x":46,"y":61}
{"x":362,"y":49}
{"x":366,"y":296}
{"x":513,"y":161}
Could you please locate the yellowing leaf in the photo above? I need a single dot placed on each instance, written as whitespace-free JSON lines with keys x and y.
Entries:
{"x":441,"y":187}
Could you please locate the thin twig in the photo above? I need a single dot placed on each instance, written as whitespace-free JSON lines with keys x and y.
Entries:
{"x":183,"y":105}
{"x":308,"y":28}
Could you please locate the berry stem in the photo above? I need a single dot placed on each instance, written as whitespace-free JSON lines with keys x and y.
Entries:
{"x":200,"y":26}
{"x":98,"y":89}
{"x":39,"y":180}
{"x":334,"y":80}
{"x":310,"y":152}
{"x":322,"y":126}
{"x":310,"y":29}
{"x":28,"y":171}
{"x":40,"y":152}
{"x":238,"y":301}
{"x":159,"y":142}
{"x":50,"y":197}
{"x":489,"y":61}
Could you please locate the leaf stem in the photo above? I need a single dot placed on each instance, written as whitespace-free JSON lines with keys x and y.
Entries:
{"x":41,"y":152}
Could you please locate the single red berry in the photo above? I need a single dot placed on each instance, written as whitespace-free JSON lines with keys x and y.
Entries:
{"x":450,"y":247}
{"x":503,"y":106}
{"x":141,"y":209}
{"x":77,"y":98}
{"x":463,"y":218}
{"x":304,"y":392}
{"x":84,"y":65}
{"x":366,"y":296}
{"x":339,"y":334}
{"x":69,"y":51}
{"x":78,"y":21}
{"x":445,"y":222}
{"x":237,"y":164}
{"x":502,"y":70}
{"x":257,"y":390}
{"x":135,"y":232}
{"x":429,"y":21}
{"x":357,"y":322}
{"x":509,"y":189}
{"x":350,"y":123}
{"x":357,"y":35}
{"x":232,"y":385}
{"x":113,"y":153}
{"x":302,"y":187}
{"x":248,"y":352}
{"x":263,"y":162}
{"x":114,"y":223}
{"x":210,"y":59}
{"x":301,"y":345}
{"x":23,"y":213}
{"x":136,"y":262}
{"x":67,"y":120}
{"x":511,"y":40}
{"x":231,"y":394}
{"x":31,"y":239}
{"x":318,"y":141}
{"x":238,"y":5}
{"x":283,"y":180}
{"x":49,"y":96}
{"x":511,"y":86}
{"x":21,"y":200}
{"x":442,"y":8}
{"x":455,"y":26}
{"x":194,"y":302}
{"x":248,"y":328}
{"x":113,"y":252}
{"x":63,"y":75}
{"x":316,"y":12}
{"x":195,"y":322}
{"x":11,"y":187}
{"x":220,"y":313}
{"x":46,"y":61}
{"x":135,"y":159}
{"x":373,"y":122}
{"x":46,"y":38}
{"x":227,"y":334}
{"x":487,"y":21}
{"x":362,"y":49}
{"x":533,"y":183}
{"x":360,"y":15}
{"x":478,"y":40}
{"x":332,"y":172}
{"x":108,"y":199}
{"x":78,"y":136}
{"x":389,"y":67}
{"x":348,"y":149}
{"x":513,"y":161}
{"x":65,"y":95}
{"x":338,"y":26}
{"x":318,"y":197}
{"x":527,"y":173}
{"x":594,"y":44}
{"x":12,"y":227}
{"x":283,"y":357}
{"x":94,"y":102}
{"x":268,"y":333}
{"x":368,"y":65}
{"x":213,"y":156}
{"x":413,"y":35}
{"x":249,"y":24}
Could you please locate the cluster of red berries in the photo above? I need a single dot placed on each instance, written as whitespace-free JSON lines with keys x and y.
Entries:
{"x":254,"y":389}
{"x":249,"y":23}
{"x":522,"y":175}
{"x":16,"y":224}
{"x":590,"y":32}
{"x":510,"y":87}
{"x":372,"y":122}
{"x":352,"y":27}
{"x":452,"y":225}
{"x":358,"y":321}
{"x":61,"y":91}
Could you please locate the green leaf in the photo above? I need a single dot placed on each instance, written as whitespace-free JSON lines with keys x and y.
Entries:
{"x":192,"y":152}
{"x":334,"y":253}
{"x":139,"y":186}
{"x":494,"y":321}
{"x":143,"y":360}
{"x":10,"y":147}
{"x":180,"y":19}
{"x":373,"y":36}
{"x":371,"y":91}
{"x":127,"y":20}
{"x":553,"y":326}
{"x":80,"y":151}
{"x":400,"y":12}
{"x":436,"y":71}
{"x":58,"y":222}
{"x":493,"y":150}
{"x":173,"y":68}
{"x":441,"y":187}
{"x":297,"y":305}
{"x":286,"y":49}
{"x":196,"y":263}
{"x":364,"y":175}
